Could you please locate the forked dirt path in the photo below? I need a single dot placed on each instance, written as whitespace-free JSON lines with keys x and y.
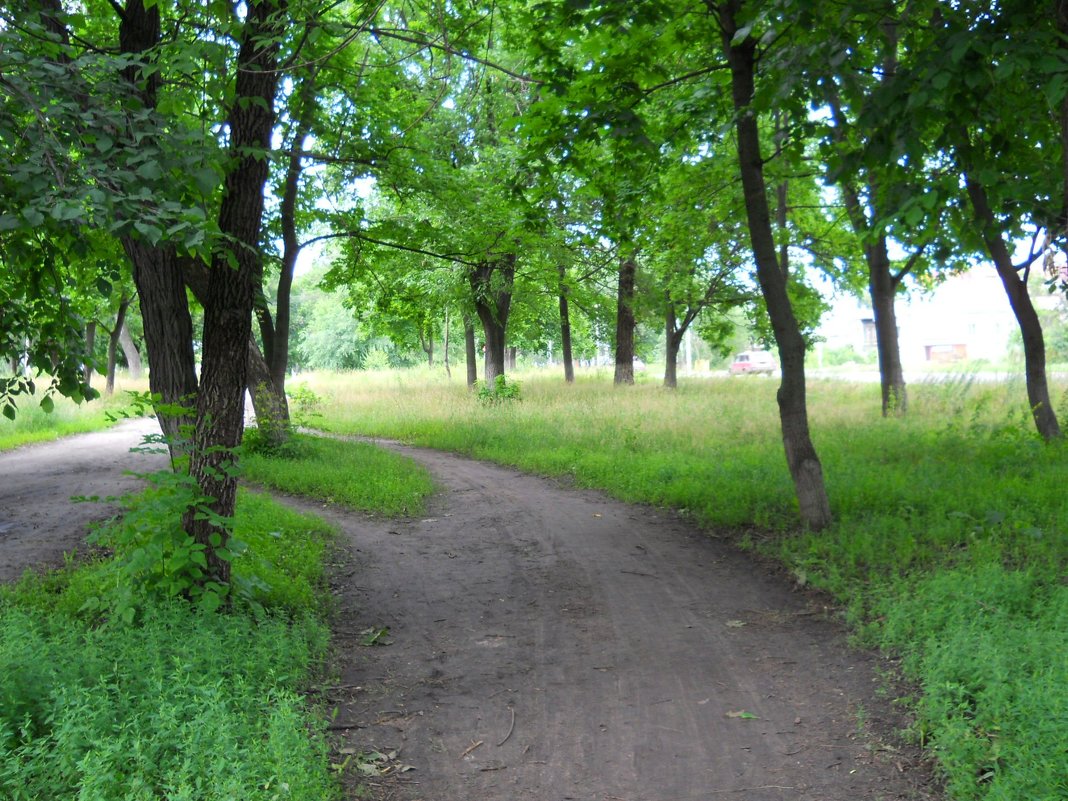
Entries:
{"x":550,"y":643}
{"x":546,"y":644}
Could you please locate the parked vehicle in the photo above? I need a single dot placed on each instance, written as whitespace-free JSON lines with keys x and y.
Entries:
{"x":753,"y":362}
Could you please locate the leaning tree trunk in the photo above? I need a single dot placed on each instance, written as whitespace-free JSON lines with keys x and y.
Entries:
{"x":113,"y":345}
{"x":470,"y":352}
{"x":565,"y":330}
{"x":130,"y":353}
{"x":231,"y":286}
{"x":625,"y":323}
{"x":491,"y":284}
{"x":883,"y":290}
{"x":801,"y":457}
{"x":1020,"y":300}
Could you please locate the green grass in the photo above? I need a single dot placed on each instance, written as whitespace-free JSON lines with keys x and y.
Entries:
{"x":950,"y":545}
{"x":32,"y":424}
{"x":180,"y":704}
{"x":353,"y":474}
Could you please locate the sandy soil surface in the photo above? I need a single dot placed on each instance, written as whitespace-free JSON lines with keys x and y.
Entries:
{"x":546,"y":643}
{"x":38,"y":520}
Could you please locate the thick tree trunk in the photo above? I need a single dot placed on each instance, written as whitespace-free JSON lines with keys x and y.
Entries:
{"x":470,"y":352}
{"x":565,"y":331}
{"x":156,"y":272}
{"x":491,"y":284}
{"x":804,"y":464}
{"x":231,"y":285}
{"x":168,"y":337}
{"x":625,"y":323}
{"x":882,"y":287}
{"x":1020,"y":300}
{"x":113,"y":344}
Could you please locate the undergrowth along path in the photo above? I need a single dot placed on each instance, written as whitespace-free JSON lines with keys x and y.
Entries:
{"x":546,"y":642}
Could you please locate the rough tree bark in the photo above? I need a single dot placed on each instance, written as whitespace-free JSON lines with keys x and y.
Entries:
{"x":801,"y":457}
{"x":491,"y":284}
{"x":470,"y":352}
{"x":160,"y":289}
{"x":1030,"y":328}
{"x":565,"y":329}
{"x":625,"y":322}
{"x":232,"y":283}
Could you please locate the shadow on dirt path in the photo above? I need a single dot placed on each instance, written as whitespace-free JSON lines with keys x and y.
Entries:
{"x":38,"y":521}
{"x":551,"y":644}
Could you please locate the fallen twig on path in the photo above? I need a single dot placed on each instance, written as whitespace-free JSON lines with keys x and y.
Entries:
{"x":511,"y":728}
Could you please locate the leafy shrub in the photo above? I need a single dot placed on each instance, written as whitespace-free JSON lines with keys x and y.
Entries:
{"x":500,"y":393}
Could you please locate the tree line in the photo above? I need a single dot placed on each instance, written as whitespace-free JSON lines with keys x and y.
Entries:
{"x":510,"y":173}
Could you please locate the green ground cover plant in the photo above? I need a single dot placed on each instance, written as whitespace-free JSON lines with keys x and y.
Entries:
{"x":950,"y":545}
{"x":34,"y":424}
{"x":178,"y":703}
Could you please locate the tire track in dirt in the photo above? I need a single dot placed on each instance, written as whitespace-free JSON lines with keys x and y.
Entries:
{"x":551,"y":643}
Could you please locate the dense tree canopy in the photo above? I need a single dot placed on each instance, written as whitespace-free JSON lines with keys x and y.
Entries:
{"x":547,"y":176}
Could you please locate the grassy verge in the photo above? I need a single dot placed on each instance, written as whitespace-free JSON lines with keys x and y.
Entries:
{"x":32,"y":424}
{"x":353,"y":474}
{"x":949,"y":545}
{"x":183,"y":704}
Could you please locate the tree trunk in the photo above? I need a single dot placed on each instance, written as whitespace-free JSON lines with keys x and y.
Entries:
{"x":445,"y":346}
{"x":625,"y":323}
{"x":231,"y":286}
{"x":512,"y":352}
{"x":90,"y":346}
{"x":130,"y":353}
{"x":882,"y":287}
{"x":672,"y":342}
{"x":491,"y":284}
{"x":427,"y":344}
{"x":1030,"y":328}
{"x":156,"y":272}
{"x":168,"y":337}
{"x":565,"y":329}
{"x":113,"y":344}
{"x":470,"y":352}
{"x":801,"y":457}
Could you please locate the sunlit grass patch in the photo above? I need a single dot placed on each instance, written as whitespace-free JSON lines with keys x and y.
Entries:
{"x":354,"y":474}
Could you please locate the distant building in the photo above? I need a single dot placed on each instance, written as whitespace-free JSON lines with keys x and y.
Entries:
{"x":966,"y":317}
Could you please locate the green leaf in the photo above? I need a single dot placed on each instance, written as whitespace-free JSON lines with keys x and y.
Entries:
{"x":9,"y":411}
{"x":47,"y":406}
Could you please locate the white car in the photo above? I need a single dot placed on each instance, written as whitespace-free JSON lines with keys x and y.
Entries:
{"x":753,"y":362}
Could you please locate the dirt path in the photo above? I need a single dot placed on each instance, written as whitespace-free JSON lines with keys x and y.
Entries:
{"x":38,"y":521}
{"x":547,"y":643}
{"x":553,"y":644}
